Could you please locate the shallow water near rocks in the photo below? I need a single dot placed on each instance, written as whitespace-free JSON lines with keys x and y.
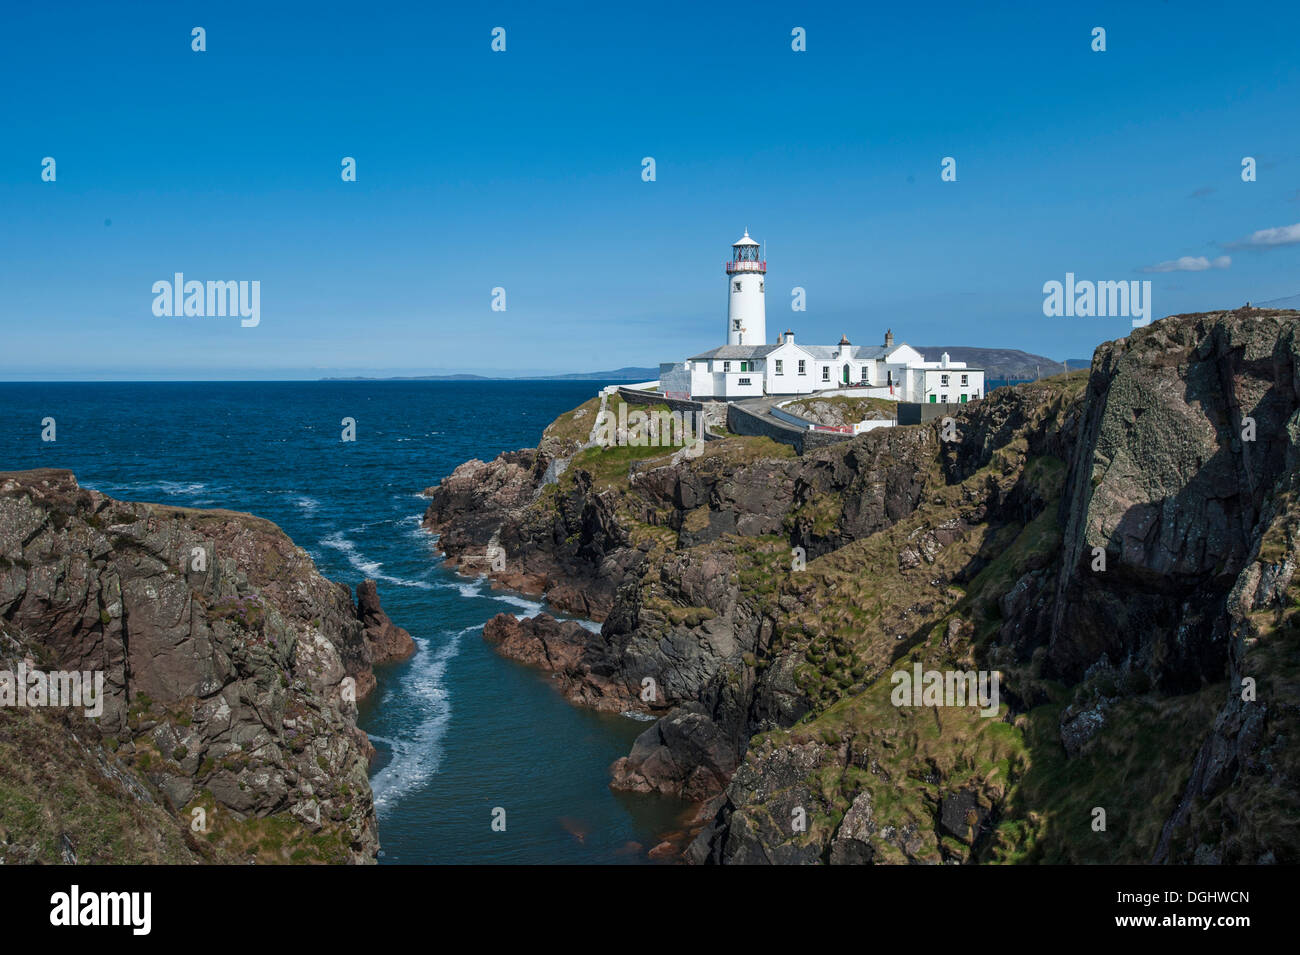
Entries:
{"x":458,"y":729}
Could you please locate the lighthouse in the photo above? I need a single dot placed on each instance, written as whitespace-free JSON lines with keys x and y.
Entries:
{"x":746,"y":315}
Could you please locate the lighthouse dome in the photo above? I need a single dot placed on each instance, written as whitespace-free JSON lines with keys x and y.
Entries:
{"x":744,"y":240}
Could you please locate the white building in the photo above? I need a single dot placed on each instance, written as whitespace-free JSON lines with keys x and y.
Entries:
{"x":748,"y":367}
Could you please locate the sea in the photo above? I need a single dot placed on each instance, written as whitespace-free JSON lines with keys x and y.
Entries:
{"x":464,"y":737}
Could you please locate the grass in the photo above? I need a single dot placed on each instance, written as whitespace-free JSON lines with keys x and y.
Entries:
{"x":269,"y":840}
{"x":573,"y":427}
{"x":65,"y":793}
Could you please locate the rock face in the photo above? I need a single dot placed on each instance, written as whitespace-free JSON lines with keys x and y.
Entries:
{"x":1118,"y":545}
{"x":675,"y":615}
{"x":1164,"y":485}
{"x":587,"y":670}
{"x":229,"y":665}
{"x":386,"y":641}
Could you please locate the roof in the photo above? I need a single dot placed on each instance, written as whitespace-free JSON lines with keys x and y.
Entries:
{"x":856,"y":352}
{"x":736,"y":351}
{"x":824,"y":352}
{"x":744,"y":240}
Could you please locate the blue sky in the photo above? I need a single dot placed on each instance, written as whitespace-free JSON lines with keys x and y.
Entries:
{"x":523,"y":170}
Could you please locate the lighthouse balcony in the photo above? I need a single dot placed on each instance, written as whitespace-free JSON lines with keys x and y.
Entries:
{"x":746,"y":266}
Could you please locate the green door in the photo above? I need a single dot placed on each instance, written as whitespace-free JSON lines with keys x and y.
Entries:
{"x":932,"y":401}
{"x":963,"y":399}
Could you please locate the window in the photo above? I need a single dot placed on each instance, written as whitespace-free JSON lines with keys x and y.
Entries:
{"x":943,"y":399}
{"x":742,"y":381}
{"x":780,"y":369}
{"x":965,"y":380}
{"x":726,"y":365}
{"x":735,"y":324}
{"x":735,"y":286}
{"x":760,"y":285}
{"x":864,"y":372}
{"x":943,"y":379}
{"x":803,"y":370}
{"x":826,"y":369}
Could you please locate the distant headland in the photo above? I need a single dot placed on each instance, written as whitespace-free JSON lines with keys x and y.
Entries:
{"x":999,"y":363}
{"x":618,"y":374}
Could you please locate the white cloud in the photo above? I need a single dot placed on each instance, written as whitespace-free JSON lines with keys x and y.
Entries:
{"x":1189,"y":263}
{"x":1267,"y":238}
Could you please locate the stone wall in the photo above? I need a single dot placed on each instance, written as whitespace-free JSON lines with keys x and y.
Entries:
{"x":743,"y":421}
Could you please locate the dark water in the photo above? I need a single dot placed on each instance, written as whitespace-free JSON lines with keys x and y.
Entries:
{"x":460,"y":731}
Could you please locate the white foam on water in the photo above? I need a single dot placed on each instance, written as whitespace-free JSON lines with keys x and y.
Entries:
{"x":371,"y":568}
{"x":474,"y":588}
{"x":175,"y":488}
{"x":533,"y":607}
{"x":306,"y":503}
{"x":170,"y":488}
{"x":416,"y":756}
{"x":466,"y":588}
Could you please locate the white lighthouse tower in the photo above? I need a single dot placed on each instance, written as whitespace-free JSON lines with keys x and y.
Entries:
{"x":746,"y":314}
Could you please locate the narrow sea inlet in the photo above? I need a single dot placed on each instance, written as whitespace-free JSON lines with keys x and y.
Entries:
{"x":459,"y":730}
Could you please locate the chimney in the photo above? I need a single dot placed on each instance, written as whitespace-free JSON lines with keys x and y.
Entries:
{"x":789,"y":337}
{"x":944,"y":359}
{"x":889,"y":338}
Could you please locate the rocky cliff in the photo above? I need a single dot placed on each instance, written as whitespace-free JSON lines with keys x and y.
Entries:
{"x":231,"y":670}
{"x":1117,"y":545}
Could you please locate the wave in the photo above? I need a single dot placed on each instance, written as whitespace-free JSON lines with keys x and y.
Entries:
{"x":474,"y":588}
{"x":466,"y":588}
{"x":417,"y":754}
{"x":170,"y":488}
{"x":370,"y":568}
{"x":178,"y":488}
{"x":534,"y":607}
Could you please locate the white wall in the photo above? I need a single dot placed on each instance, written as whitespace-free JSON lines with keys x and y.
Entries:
{"x":790,"y":382}
{"x":747,"y":307}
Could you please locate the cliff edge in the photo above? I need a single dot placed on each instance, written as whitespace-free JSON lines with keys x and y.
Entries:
{"x":230,"y":669}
